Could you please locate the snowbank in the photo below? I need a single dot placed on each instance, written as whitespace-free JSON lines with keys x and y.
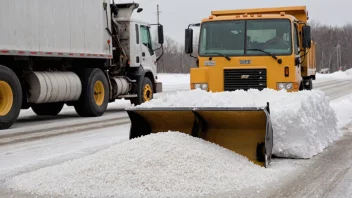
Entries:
{"x":173,"y":82}
{"x":160,"y":165}
{"x":303,"y":122}
{"x":174,"y":79}
{"x":336,"y":75}
{"x":343,"y":110}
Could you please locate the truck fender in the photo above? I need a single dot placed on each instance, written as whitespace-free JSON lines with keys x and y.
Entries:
{"x":139,"y":74}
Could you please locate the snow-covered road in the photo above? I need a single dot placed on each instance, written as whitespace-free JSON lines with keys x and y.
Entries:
{"x":29,"y":126}
{"x":35,"y":142}
{"x":327,"y":173}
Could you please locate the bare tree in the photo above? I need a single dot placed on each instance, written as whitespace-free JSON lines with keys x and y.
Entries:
{"x":328,"y":38}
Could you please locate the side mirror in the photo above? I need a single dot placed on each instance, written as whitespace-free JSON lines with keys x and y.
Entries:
{"x":306,"y":37}
{"x":297,"y":61}
{"x":160,"y":34}
{"x":189,"y":41}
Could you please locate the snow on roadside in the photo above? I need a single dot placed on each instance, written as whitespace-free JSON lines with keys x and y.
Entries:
{"x":168,"y":164}
{"x":303,"y":122}
{"x":174,"y":81}
{"x":343,"y":110}
{"x":336,"y":75}
{"x":174,"y":78}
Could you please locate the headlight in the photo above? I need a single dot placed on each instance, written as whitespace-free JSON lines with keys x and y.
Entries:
{"x":289,"y":86}
{"x":281,"y":86}
{"x":286,"y":86}
{"x":203,"y":86}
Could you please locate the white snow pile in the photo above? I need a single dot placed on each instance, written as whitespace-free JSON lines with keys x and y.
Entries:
{"x":303,"y":122}
{"x":336,"y":75}
{"x":343,"y":110}
{"x":174,"y":78}
{"x":170,"y":164}
{"x":172,"y":81}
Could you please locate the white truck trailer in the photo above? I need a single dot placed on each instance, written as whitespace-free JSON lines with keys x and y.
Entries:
{"x":83,"y":53}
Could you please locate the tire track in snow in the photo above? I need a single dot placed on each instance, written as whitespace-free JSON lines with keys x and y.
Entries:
{"x":56,"y":131}
{"x":74,"y":125}
{"x":27,"y":156}
{"x":325,"y":176}
{"x":336,"y":90}
{"x":330,"y":85}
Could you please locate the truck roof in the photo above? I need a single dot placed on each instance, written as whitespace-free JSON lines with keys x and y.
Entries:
{"x":248,"y":17}
{"x":139,"y":21}
{"x":299,"y":12}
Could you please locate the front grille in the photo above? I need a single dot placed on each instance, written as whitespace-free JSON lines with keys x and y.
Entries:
{"x":235,"y":79}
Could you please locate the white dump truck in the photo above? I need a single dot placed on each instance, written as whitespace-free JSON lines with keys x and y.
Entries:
{"x":83,"y":53}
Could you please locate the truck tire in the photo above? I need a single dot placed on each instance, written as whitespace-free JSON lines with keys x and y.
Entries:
{"x":94,"y":99}
{"x":10,"y":97}
{"x":48,"y":109}
{"x":145,"y":92}
{"x":310,"y":85}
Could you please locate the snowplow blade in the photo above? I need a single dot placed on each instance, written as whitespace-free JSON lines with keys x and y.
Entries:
{"x":246,"y":131}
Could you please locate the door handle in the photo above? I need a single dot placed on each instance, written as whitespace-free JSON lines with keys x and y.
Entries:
{"x":143,"y":54}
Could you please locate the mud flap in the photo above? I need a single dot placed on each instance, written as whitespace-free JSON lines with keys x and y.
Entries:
{"x":246,"y":131}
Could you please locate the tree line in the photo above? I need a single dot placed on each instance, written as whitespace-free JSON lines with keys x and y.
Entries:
{"x":174,"y":59}
{"x":333,"y":47}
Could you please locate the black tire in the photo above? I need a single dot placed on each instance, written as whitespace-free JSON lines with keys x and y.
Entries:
{"x":310,"y":86}
{"x":48,"y":109}
{"x":9,"y":79}
{"x":144,"y":95}
{"x":301,"y":86}
{"x":86,"y":106}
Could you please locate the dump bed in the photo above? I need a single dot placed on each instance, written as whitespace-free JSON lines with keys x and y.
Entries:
{"x":54,"y":28}
{"x":311,"y":60}
{"x":300,"y":12}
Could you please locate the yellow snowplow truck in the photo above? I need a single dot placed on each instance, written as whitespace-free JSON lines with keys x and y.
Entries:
{"x":239,"y":49}
{"x":254,"y":48}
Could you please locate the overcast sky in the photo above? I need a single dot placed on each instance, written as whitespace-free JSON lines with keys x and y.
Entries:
{"x":177,"y":14}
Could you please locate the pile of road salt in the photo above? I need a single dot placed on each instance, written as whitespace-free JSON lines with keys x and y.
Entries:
{"x":303,"y":122}
{"x":168,"y":164}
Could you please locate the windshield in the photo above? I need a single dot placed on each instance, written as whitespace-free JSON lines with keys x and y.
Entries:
{"x":240,"y":37}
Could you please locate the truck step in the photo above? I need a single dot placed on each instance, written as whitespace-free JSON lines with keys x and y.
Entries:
{"x":128,"y":96}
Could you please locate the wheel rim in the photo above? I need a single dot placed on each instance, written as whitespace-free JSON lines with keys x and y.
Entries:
{"x":99,"y":93}
{"x":6,"y":98}
{"x":147,"y":93}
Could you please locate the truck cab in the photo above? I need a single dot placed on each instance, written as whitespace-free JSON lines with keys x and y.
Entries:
{"x":136,"y":40}
{"x":253,"y":49}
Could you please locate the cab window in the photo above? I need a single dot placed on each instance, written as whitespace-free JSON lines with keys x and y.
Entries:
{"x":146,"y":38}
{"x":295,"y":39}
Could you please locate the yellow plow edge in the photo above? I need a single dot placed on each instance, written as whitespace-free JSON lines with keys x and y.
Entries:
{"x":246,"y":130}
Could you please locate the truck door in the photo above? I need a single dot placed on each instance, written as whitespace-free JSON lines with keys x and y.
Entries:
{"x":136,"y":48}
{"x":148,"y":57}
